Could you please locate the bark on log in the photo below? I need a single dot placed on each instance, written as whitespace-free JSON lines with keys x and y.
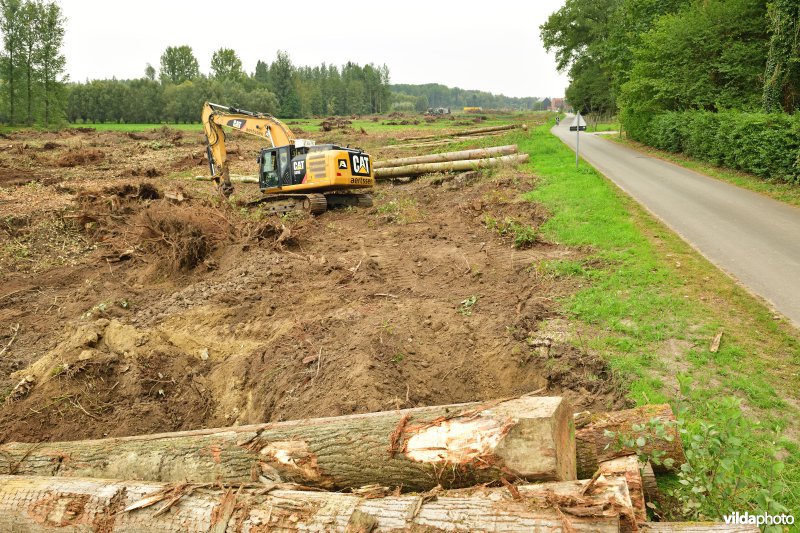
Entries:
{"x":593,"y":446}
{"x":427,"y":168}
{"x":696,"y":527}
{"x":456,"y":446}
{"x":479,"y":153}
{"x":476,"y":131}
{"x":34,"y":504}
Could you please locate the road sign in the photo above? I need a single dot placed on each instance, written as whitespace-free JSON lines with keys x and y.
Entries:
{"x":578,"y":124}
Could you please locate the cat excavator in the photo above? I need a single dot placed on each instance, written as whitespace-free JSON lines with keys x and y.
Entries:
{"x":294,"y":174}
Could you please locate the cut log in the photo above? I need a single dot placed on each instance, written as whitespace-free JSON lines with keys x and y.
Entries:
{"x":449,"y":140}
{"x":461,"y":445}
{"x":649,"y":484}
{"x":461,"y":133}
{"x":628,"y":467}
{"x":34,"y":504}
{"x":450,"y":166}
{"x":479,"y":153}
{"x":594,"y":446}
{"x":234,"y":178}
{"x":696,"y":527}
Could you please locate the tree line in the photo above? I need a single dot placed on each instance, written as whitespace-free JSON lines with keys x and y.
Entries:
{"x":279,"y":88}
{"x":673,"y":55}
{"x":421,"y":97}
{"x":718,"y":80}
{"x":31,"y":64}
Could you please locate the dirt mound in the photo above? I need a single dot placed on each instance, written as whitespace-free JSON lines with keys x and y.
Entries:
{"x":74,"y":158}
{"x":10,"y":177}
{"x":148,"y":172}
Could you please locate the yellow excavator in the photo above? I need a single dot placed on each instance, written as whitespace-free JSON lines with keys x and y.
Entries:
{"x":294,"y":174}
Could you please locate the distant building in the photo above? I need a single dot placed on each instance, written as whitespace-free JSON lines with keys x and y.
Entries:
{"x":557,"y":104}
{"x":546,"y":103}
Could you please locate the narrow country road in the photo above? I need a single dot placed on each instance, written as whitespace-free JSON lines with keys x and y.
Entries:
{"x":752,"y":237}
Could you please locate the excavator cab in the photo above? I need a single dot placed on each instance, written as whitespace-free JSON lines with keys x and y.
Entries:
{"x":275,"y":169}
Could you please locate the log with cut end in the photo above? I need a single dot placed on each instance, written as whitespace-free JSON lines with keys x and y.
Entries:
{"x":595,"y":445}
{"x":629,"y":468}
{"x":475,"y":131}
{"x":35,"y":503}
{"x":455,"y":446}
{"x":479,"y":153}
{"x":450,"y":166}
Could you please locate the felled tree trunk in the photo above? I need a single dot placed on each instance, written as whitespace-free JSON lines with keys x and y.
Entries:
{"x":235,"y":179}
{"x":33,"y":504}
{"x":479,"y":153}
{"x":594,"y":445}
{"x":454,"y":446}
{"x":475,"y":131}
{"x":450,"y":166}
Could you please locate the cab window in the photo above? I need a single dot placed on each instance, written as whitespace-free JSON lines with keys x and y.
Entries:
{"x":269,"y":167}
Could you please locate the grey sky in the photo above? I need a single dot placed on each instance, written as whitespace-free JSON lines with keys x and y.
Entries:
{"x":492,"y":46}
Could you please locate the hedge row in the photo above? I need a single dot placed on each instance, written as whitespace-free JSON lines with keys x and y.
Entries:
{"x":767,"y":145}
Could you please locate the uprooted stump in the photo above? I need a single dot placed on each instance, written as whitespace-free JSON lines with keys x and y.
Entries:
{"x":42,"y":503}
{"x":179,"y":238}
{"x":453,"y":446}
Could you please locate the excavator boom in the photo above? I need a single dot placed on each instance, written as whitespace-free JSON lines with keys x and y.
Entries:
{"x":259,"y":124}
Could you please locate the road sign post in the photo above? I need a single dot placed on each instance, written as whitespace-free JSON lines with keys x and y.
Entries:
{"x":578,"y":125}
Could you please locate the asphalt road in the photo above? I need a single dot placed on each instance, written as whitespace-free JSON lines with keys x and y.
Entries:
{"x":753,"y":238}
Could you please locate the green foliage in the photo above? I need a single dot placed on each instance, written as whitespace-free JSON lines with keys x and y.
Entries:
{"x":32,"y":63}
{"x":522,"y":235}
{"x":782,"y":75}
{"x":721,"y":473}
{"x":178,"y":65}
{"x":767,"y":145}
{"x":279,"y":88}
{"x":641,"y":435}
{"x":226,"y":65}
{"x":709,"y":55}
{"x":466,"y":305}
{"x":437,"y":95}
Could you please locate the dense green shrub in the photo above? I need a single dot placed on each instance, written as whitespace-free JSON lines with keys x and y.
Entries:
{"x":767,"y":145}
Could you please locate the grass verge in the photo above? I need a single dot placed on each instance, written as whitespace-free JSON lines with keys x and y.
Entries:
{"x":784,"y":192}
{"x":651,"y":304}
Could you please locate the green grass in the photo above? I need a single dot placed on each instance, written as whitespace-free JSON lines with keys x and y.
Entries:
{"x":646,"y":292}
{"x":784,"y":192}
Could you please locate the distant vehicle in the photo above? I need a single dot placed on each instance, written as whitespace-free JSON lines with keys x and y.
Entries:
{"x":473,"y":109}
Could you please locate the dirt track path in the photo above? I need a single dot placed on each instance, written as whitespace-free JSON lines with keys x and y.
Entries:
{"x":751,"y":237}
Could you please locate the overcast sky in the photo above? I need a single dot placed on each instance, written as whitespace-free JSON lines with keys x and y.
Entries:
{"x":490,"y":45}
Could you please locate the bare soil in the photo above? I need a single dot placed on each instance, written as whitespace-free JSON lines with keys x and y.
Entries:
{"x":132,"y":300}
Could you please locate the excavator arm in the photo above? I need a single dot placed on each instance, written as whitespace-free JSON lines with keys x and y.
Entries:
{"x":259,"y":124}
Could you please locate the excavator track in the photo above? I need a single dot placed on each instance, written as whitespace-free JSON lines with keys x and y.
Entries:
{"x":348,"y":199}
{"x":314,"y":204}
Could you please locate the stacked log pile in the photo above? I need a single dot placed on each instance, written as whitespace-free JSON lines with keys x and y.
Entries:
{"x":463,"y":160}
{"x":507,"y":465}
